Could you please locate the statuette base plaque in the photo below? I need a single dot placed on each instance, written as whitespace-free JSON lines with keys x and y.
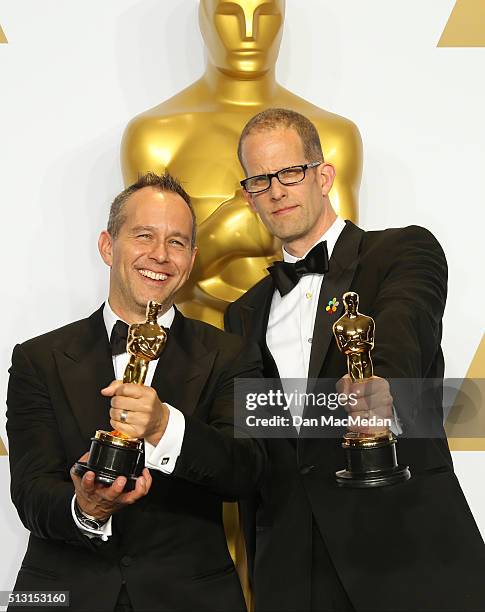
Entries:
{"x":111,"y":456}
{"x":371,"y":462}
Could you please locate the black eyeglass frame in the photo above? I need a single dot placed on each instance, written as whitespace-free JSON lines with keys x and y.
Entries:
{"x":271,"y":176}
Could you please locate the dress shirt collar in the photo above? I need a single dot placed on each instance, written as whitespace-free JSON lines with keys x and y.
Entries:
{"x":331,"y":236}
{"x":110,"y":318}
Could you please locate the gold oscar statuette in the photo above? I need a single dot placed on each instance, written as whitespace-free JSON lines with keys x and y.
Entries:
{"x":371,"y":457}
{"x":113,"y":453}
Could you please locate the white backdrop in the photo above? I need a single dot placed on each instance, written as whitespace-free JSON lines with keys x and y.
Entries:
{"x":74,"y":73}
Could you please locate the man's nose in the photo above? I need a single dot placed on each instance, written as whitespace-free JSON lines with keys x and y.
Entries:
{"x":276,"y":189}
{"x":159,"y":251}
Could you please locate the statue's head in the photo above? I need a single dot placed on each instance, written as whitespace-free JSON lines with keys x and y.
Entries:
{"x":242,"y":36}
{"x":153,"y":308}
{"x":351,"y":301}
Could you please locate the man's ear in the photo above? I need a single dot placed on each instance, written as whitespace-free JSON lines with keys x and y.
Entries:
{"x":326,"y":174}
{"x":194,"y":253}
{"x":249,"y":199}
{"x":105,"y":247}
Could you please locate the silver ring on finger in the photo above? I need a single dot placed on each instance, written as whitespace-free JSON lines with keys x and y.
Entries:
{"x":123,"y":416}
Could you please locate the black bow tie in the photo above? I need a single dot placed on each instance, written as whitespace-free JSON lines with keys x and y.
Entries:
{"x":119,"y":336}
{"x":287,"y":275}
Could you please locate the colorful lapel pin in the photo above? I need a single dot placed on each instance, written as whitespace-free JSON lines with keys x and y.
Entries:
{"x":332,"y":305}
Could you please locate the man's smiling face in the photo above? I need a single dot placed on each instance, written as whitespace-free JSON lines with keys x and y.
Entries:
{"x":152,"y":256}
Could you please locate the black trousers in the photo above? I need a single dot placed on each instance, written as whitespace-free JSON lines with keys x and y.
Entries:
{"x":328,"y":594}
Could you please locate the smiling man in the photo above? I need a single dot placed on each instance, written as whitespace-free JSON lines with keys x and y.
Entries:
{"x":312,"y":545}
{"x":149,"y":245}
{"x":161,"y":546}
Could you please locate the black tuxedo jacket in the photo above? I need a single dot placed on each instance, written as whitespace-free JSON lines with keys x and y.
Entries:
{"x":411,"y":546}
{"x":169,"y":548}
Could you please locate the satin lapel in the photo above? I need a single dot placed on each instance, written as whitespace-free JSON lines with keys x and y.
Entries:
{"x":183,"y":368}
{"x":84,"y":368}
{"x":255,"y":322}
{"x":337,"y":281}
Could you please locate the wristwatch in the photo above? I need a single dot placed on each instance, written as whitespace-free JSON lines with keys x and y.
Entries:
{"x":86,"y":520}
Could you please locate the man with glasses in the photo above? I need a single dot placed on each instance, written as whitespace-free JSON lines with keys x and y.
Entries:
{"x":312,"y":545}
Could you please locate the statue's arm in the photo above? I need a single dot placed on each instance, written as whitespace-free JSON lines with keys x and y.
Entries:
{"x":232,"y":230}
{"x":345,"y":152}
{"x":149,"y":145}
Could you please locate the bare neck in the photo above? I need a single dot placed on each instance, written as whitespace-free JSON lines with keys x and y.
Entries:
{"x":303,"y":244}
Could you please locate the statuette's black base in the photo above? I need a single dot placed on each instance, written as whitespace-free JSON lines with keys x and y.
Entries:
{"x":371,"y":466}
{"x":376,"y":479}
{"x":104,"y":477}
{"x":109,"y":460}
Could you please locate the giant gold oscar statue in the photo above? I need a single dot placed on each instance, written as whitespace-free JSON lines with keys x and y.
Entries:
{"x":194,"y":135}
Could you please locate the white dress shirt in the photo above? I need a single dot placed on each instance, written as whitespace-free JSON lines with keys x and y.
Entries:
{"x":292,"y":317}
{"x":163,"y":456}
{"x":291,"y":322}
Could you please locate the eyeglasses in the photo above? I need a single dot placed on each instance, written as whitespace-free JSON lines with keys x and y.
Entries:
{"x":286,"y":176}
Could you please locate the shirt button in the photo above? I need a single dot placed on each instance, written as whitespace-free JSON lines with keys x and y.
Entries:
{"x":126,"y":560}
{"x":310,"y":340}
{"x":308,"y":295}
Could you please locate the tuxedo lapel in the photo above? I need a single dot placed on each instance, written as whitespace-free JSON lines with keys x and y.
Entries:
{"x":337,"y":281}
{"x":254,"y":320}
{"x":85,"y":366}
{"x":184,"y":367}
